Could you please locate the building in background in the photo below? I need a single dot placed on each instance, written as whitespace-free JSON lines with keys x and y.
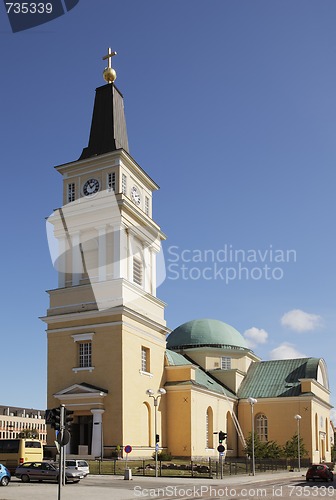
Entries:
{"x":15,"y":420}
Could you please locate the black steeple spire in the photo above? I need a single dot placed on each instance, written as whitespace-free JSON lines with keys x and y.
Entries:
{"x":108,"y":127}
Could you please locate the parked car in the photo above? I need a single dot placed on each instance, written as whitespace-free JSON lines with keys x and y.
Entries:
{"x":319,"y":471}
{"x":80,"y":465}
{"x":5,"y":475}
{"x":42,"y":471}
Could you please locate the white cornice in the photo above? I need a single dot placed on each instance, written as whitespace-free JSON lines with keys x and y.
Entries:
{"x":105,"y":161}
{"x":82,"y":336}
{"x":52,"y":320}
{"x":176,"y":388}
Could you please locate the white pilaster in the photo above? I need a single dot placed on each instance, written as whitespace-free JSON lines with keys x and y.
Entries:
{"x":77,"y":266}
{"x":97,"y":433}
{"x":116,"y":252}
{"x":147,"y":269}
{"x":61,"y":262}
{"x":102,"y":254}
{"x":130,"y":255}
{"x":153,"y":269}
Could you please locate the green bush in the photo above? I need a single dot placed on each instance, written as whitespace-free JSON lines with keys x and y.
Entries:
{"x":163,"y":456}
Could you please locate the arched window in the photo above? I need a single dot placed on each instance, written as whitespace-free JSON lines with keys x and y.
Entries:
{"x":146,"y":424}
{"x":262,"y":427}
{"x":209,"y":428}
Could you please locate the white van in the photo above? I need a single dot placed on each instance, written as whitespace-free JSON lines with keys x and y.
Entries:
{"x":80,"y":465}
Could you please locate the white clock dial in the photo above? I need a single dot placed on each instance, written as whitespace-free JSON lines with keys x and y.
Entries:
{"x":135,"y":195}
{"x":91,"y":187}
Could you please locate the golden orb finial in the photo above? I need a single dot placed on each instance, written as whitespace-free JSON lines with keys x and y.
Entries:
{"x":109,"y":73}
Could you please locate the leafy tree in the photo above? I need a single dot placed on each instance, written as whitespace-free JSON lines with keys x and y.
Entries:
{"x":29,"y":434}
{"x":290,"y":449}
{"x":272,"y":450}
{"x":262,"y":449}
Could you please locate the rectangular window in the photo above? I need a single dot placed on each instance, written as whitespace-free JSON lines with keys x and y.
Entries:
{"x":71,"y":192}
{"x":225,"y":363}
{"x":146,"y":205}
{"x":85,"y":350}
{"x":124,"y":184}
{"x":145,"y":359}
{"x":137,"y":271}
{"x":111,"y":181}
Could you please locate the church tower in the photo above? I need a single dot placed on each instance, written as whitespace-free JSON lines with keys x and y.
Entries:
{"x":105,"y":326}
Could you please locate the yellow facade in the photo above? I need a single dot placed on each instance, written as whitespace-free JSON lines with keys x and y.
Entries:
{"x":107,"y":334}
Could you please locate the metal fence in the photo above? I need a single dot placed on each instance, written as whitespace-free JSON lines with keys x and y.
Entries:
{"x":176,"y":468}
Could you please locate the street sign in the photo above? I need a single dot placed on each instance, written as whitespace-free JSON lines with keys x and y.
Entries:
{"x":66,"y":437}
{"x":220,"y":448}
{"x":222,"y":454}
{"x":128,"y":448}
{"x":157,"y":447}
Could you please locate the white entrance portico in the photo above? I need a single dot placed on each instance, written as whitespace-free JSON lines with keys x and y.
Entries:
{"x":86,"y":401}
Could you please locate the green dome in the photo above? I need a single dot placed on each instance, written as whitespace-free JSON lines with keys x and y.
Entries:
{"x":205,"y":333}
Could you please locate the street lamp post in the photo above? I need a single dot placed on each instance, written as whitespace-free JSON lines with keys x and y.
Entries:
{"x":160,"y":393}
{"x":298,"y":418}
{"x":252,"y":402}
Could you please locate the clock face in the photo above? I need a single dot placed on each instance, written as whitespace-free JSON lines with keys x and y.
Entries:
{"x":91,"y":187}
{"x":135,"y":195}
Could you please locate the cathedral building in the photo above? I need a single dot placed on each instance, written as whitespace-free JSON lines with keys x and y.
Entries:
{"x":108,"y":342}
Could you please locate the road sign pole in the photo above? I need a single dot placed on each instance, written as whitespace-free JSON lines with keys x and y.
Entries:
{"x":128,"y":472}
{"x":60,"y":461}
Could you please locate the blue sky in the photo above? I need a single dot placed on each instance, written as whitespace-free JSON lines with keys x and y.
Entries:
{"x":230,"y":108}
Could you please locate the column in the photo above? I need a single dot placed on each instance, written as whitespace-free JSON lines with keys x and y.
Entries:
{"x":116,"y":252}
{"x":130,"y":255}
{"x":120,"y":252}
{"x":77,"y":266}
{"x":61,"y":262}
{"x":147,"y":263}
{"x":102,"y":254}
{"x":153,"y":269}
{"x":97,"y":433}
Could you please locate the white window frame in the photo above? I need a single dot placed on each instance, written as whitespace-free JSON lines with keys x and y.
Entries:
{"x":137,"y":271}
{"x":261,"y":422}
{"x":111,"y":181}
{"x":71,"y":192}
{"x":145,"y":360}
{"x":124,"y":184}
{"x":226,"y":363}
{"x":146,"y":205}
{"x":85,"y":354}
{"x":83,"y":338}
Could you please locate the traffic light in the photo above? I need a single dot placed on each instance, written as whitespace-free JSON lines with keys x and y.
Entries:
{"x":157,"y":438}
{"x":68,"y":418}
{"x":53,"y":417}
{"x":221,"y":436}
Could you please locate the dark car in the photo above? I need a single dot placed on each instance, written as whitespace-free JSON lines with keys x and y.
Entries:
{"x":319,"y":471}
{"x":45,"y":471}
{"x":5,"y":475}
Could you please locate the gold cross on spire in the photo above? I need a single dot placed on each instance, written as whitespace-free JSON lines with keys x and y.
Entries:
{"x":109,"y":73}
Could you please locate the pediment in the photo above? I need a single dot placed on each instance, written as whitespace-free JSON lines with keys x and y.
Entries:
{"x":82,"y":389}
